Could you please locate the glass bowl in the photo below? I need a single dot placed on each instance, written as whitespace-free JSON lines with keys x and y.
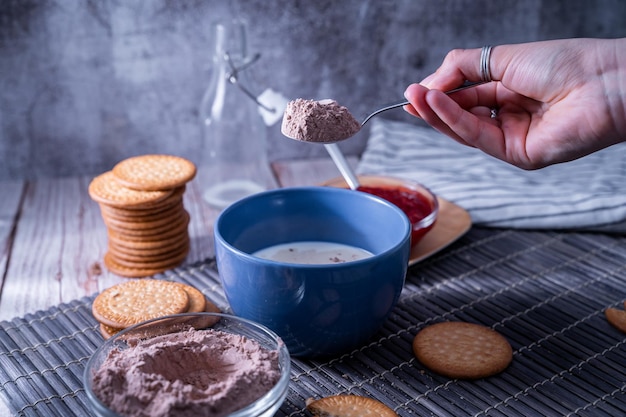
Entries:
{"x":416,"y":201}
{"x":265,"y":406}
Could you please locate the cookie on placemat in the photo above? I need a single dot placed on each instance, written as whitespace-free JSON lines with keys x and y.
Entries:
{"x":210,"y":307}
{"x":462,"y":350}
{"x":125,"y":293}
{"x":135,"y":301}
{"x":348,"y":406}
{"x":154,"y":172}
{"x":197,"y":302}
{"x":203,"y":322}
{"x":105,"y":189}
{"x":107,"y":331}
{"x":616,"y":317}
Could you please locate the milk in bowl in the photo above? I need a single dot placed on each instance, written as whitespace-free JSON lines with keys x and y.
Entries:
{"x":313,"y":252}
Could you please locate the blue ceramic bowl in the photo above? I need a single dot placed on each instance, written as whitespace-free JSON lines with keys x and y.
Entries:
{"x":320,"y":309}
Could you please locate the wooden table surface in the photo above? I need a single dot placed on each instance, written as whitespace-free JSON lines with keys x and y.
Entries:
{"x":52,"y":237}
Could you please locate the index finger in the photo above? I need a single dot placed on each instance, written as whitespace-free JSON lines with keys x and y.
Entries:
{"x":479,"y":132}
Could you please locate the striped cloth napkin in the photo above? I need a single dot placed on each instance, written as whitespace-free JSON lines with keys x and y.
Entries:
{"x":585,"y":194}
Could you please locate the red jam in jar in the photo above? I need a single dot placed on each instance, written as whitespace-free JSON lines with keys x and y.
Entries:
{"x":412,"y":203}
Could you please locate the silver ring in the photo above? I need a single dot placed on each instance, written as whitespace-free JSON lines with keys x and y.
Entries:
{"x":494,"y":113}
{"x":485,"y":57}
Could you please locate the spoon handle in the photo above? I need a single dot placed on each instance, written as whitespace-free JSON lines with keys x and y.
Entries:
{"x":339,"y":159}
{"x":382,"y":109}
{"x":405,"y":102}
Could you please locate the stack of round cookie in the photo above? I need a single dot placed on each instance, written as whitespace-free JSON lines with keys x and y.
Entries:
{"x":141,"y":202}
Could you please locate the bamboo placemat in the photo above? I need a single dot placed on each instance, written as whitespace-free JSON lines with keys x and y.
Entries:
{"x":544,"y":291}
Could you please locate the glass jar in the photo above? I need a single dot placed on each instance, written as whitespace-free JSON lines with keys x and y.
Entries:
{"x":234,"y":160}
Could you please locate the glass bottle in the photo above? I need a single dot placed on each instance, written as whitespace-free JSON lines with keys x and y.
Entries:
{"x":234,"y":159}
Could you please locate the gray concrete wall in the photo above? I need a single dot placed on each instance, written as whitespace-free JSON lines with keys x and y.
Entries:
{"x":86,"y":83}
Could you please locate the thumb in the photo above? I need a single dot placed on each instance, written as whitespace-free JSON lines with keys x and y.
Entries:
{"x":462,"y":65}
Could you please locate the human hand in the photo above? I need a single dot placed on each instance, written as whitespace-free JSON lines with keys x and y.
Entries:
{"x":555,"y":100}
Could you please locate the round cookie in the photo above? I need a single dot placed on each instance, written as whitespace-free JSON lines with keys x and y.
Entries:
{"x":132,"y":302}
{"x":205,"y":322}
{"x":107,"y":331}
{"x":156,"y":248}
{"x":180,"y":221}
{"x":154,"y":172}
{"x":128,"y":272}
{"x":348,"y":406}
{"x":148,"y":256}
{"x":176,"y":197}
{"x":148,"y":246}
{"x":197,"y":301}
{"x":152,"y":223}
{"x":161,"y":234}
{"x":105,"y":189}
{"x":211,"y":308}
{"x":165,"y":261}
{"x":140,"y":269}
{"x":121,"y":215}
{"x":462,"y":350}
{"x":139,"y":212}
{"x":616,"y":317}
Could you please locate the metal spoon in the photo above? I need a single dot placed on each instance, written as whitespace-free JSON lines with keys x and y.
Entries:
{"x":342,"y":164}
{"x":319,"y":136}
{"x":339,"y":159}
{"x":404,"y":103}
